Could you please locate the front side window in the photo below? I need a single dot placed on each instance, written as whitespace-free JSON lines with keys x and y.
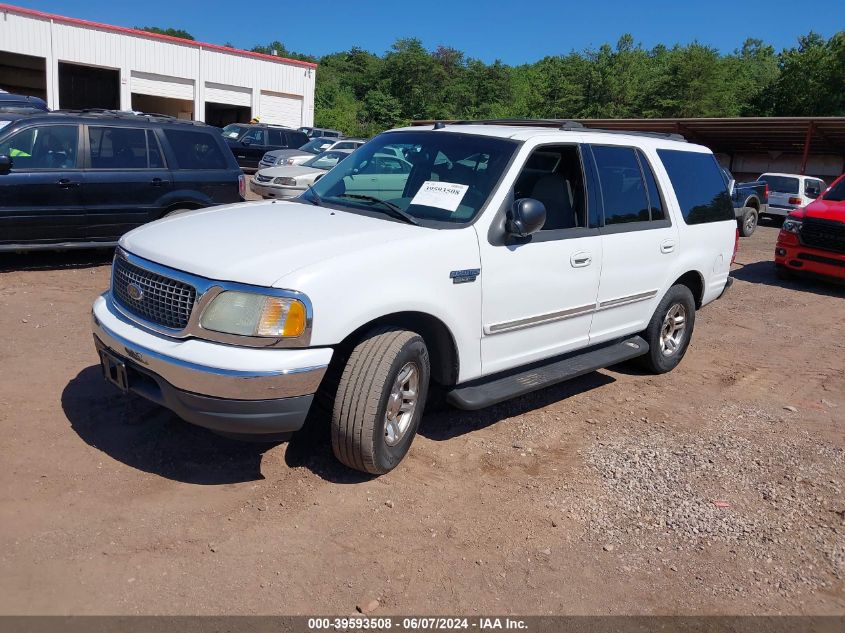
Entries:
{"x":431,"y":176}
{"x":118,"y":148}
{"x":699,"y":186}
{"x":255,"y":137}
{"x":622,"y":186}
{"x":553,"y":175}
{"x":43,"y":147}
{"x":195,"y":150}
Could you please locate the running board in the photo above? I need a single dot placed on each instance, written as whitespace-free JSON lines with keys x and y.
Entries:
{"x":504,"y":386}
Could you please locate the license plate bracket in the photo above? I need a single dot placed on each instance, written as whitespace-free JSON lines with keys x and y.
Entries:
{"x":114,"y":370}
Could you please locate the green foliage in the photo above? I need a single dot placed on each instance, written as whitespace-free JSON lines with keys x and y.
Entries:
{"x":181,"y":33}
{"x":362,"y":93}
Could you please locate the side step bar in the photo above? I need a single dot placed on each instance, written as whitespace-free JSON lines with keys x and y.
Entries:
{"x":506,"y":385}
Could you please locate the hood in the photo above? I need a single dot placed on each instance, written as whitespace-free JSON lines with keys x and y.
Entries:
{"x":291,"y":171}
{"x":260,"y":242}
{"x":826,"y":210}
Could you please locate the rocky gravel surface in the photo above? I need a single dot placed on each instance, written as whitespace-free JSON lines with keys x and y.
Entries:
{"x":741,"y":485}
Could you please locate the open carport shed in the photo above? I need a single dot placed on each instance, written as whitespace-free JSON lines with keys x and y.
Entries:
{"x":77,"y":64}
{"x":749,"y":146}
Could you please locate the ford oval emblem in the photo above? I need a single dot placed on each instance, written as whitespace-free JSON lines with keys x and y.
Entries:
{"x":134,"y":291}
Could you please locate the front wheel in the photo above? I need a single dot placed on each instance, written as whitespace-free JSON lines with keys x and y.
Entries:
{"x":380,"y":400}
{"x":669,"y":332}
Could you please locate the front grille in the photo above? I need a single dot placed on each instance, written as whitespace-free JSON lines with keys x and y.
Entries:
{"x":163,"y":301}
{"x":824,"y":234}
{"x":261,"y":178}
{"x":268,"y":163}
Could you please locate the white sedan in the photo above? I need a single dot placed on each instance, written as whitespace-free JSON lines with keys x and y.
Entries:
{"x":289,"y":181}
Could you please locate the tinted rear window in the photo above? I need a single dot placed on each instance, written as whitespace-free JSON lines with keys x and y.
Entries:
{"x":781,"y":184}
{"x":699,"y":186}
{"x":195,"y":150}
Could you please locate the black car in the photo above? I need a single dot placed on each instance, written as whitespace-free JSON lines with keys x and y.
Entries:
{"x":84,"y":179}
{"x":249,"y":142}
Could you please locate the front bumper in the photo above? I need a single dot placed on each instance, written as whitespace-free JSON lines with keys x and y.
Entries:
{"x":245,"y":391}
{"x":274,"y":191}
{"x":791,"y":254}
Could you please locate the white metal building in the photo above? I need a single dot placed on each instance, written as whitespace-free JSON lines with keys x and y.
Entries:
{"x":76,"y":64}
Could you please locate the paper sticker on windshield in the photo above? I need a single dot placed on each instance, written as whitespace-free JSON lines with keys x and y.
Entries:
{"x":442,"y":195}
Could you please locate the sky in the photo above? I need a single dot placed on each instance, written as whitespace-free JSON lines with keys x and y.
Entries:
{"x":512,"y":31}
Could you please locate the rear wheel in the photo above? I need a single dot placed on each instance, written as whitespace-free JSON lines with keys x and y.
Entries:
{"x":669,"y":332}
{"x":748,"y":221}
{"x":380,"y":400}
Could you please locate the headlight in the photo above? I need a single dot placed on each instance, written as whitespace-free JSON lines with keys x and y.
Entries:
{"x":791,"y":225}
{"x":285,"y":180}
{"x":282,"y":161}
{"x":249,"y":314}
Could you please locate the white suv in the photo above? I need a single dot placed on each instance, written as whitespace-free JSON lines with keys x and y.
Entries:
{"x":490,"y":261}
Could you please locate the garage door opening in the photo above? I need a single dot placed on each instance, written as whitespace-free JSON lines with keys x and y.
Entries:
{"x":23,"y":75}
{"x":222,"y":114}
{"x":178,"y":108}
{"x":82,"y":87}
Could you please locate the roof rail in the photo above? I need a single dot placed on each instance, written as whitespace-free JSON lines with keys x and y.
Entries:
{"x":566,"y":125}
{"x":129,"y":114}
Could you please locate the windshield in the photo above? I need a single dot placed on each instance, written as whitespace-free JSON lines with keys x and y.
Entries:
{"x":434,"y":176}
{"x":326,"y":160}
{"x":780,"y":184}
{"x":837,"y":192}
{"x":233,"y":130}
{"x":317,"y":145}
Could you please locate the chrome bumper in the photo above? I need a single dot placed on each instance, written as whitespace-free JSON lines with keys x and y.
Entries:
{"x":211,"y":381}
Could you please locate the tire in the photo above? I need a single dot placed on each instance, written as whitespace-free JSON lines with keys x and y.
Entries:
{"x":748,"y":221}
{"x":369,"y":394}
{"x":664,"y":356}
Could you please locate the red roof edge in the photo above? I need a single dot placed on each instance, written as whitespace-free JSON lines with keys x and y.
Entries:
{"x":154,"y":36}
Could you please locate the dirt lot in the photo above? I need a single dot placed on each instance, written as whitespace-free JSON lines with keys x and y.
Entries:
{"x":592,"y":497}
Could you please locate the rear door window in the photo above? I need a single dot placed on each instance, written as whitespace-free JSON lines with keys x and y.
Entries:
{"x":118,"y":148}
{"x":195,"y":150}
{"x":699,"y":186}
{"x":276,"y":138}
{"x":622,"y":185}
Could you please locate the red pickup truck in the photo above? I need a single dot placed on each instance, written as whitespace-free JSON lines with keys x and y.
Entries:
{"x":812,"y":240}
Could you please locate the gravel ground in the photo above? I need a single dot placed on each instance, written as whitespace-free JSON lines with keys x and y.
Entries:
{"x":714,"y":489}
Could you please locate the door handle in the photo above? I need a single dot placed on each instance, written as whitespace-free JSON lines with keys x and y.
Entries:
{"x":156,"y":182}
{"x":667,"y":246}
{"x":581,"y":259}
{"x":66,"y":183}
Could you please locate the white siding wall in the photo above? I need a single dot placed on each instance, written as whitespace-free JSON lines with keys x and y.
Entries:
{"x":138,"y":56}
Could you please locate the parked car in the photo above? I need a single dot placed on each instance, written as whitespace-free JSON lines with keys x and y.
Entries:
{"x":750,"y":201}
{"x":494,"y":261}
{"x":315,"y":132}
{"x":812,"y":239}
{"x":249,"y":142}
{"x":788,"y":192}
{"x":298,"y":155}
{"x":13,"y":107}
{"x":289,"y":181}
{"x":80,"y":180}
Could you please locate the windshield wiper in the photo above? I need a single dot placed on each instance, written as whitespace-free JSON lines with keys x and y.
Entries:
{"x":395,"y":210}
{"x":316,"y":200}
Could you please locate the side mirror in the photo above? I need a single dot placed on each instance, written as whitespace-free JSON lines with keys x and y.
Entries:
{"x":5,"y":164}
{"x":527,"y":216}
{"x":246,"y":141}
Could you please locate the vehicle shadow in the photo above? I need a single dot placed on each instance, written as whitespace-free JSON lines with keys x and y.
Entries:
{"x":152,"y":439}
{"x":763,"y":272}
{"x":311,"y":447}
{"x":55,"y":260}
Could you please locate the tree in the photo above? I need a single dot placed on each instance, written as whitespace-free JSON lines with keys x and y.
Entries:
{"x":180,"y":33}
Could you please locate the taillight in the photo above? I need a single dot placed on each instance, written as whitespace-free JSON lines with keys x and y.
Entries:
{"x":767,"y":191}
{"x":795,"y":200}
{"x":242,"y":186}
{"x":736,"y":247}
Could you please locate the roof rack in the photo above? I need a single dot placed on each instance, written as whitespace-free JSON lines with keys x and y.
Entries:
{"x":566,"y":125}
{"x":129,"y":114}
